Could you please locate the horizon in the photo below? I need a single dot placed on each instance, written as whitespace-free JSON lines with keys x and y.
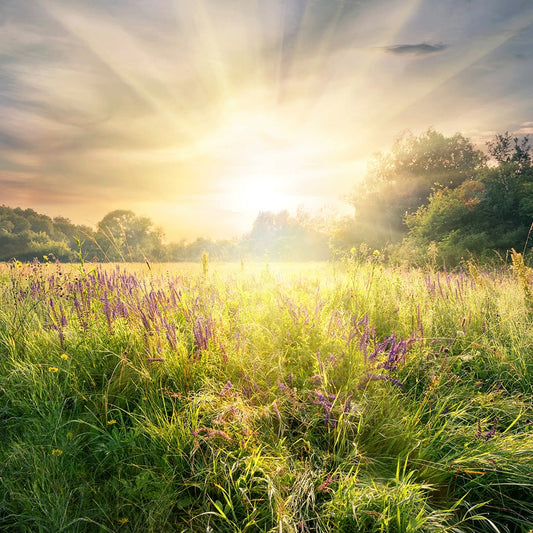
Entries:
{"x":200,"y":126}
{"x":327,"y":216}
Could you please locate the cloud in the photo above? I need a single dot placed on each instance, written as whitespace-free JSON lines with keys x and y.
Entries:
{"x":415,"y":49}
{"x":525,"y":129}
{"x":140,"y":104}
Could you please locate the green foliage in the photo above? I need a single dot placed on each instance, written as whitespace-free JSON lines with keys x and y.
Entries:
{"x":400,"y":182}
{"x":437,"y":193}
{"x":25,"y":234}
{"x":479,"y":218}
{"x":506,"y":149}
{"x":123,"y":236}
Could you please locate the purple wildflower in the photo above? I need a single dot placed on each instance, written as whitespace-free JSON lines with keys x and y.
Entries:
{"x":490,"y":433}
{"x":203,"y":331}
{"x":226,"y":388}
{"x":326,"y":402}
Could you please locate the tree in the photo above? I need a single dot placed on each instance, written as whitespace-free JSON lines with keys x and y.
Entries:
{"x":491,"y":214}
{"x":282,"y":237}
{"x":399,"y":182}
{"x":26,"y":234}
{"x":123,"y":236}
{"x":505,"y":148}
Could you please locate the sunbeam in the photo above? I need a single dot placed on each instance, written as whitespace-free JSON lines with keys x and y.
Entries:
{"x":246,"y":104}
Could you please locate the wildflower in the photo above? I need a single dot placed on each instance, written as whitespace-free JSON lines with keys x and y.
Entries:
{"x":123,"y":521}
{"x":64,"y":356}
{"x":111,"y":422}
{"x":353,"y":251}
{"x":225,"y":389}
{"x":327,"y":405}
{"x":57,"y":452}
{"x":276,"y":410}
{"x":375,"y":253}
{"x":203,"y":330}
{"x":53,"y":369}
{"x":210,"y":433}
{"x":282,"y":387}
{"x":491,"y":431}
{"x":316,"y":379}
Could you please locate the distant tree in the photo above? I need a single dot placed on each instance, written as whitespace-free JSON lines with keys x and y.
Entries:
{"x":71,"y":233}
{"x":124,"y":236}
{"x":39,"y":223}
{"x":282,"y":237}
{"x":12,"y":220}
{"x":26,"y":234}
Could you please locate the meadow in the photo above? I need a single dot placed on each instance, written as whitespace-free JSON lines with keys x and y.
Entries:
{"x":333,"y":397}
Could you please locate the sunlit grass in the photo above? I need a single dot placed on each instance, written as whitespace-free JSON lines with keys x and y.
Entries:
{"x":264,"y":397}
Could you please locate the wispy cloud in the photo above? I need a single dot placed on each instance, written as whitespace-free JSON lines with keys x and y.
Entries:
{"x":415,"y":49}
{"x":526,"y":128}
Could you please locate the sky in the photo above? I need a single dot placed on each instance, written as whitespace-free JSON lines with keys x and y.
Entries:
{"x":201,"y":113}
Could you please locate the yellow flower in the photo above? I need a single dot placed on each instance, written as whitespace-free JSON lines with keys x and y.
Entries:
{"x":64,"y":356}
{"x":111,"y":422}
{"x":352,"y":251}
{"x":53,"y":369}
{"x":376,"y":253}
{"x":123,"y":521}
{"x":57,"y":452}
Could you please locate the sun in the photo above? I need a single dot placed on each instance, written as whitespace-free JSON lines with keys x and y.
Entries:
{"x":268,"y":161}
{"x":258,"y":192}
{"x":264,"y":165}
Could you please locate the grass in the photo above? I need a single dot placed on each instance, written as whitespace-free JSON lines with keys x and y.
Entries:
{"x":275,"y":398}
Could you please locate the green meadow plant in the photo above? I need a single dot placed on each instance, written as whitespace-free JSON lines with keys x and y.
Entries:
{"x":291,"y":398}
{"x":205,"y":263}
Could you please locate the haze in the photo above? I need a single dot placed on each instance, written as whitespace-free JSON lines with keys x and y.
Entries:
{"x":199,"y":114}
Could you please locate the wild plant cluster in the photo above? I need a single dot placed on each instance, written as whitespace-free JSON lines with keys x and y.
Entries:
{"x":223,"y":398}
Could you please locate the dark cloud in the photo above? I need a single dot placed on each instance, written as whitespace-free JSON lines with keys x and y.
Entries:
{"x":415,"y":49}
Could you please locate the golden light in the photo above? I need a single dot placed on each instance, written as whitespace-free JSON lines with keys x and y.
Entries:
{"x":265,"y":164}
{"x":258,"y":193}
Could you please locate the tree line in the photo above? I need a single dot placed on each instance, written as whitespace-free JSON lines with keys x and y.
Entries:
{"x":124,"y":236}
{"x":431,"y":198}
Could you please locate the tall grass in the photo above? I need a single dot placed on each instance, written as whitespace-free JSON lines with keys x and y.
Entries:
{"x":288,"y":398}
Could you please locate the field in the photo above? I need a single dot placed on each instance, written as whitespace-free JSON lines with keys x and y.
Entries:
{"x":278,"y":398}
